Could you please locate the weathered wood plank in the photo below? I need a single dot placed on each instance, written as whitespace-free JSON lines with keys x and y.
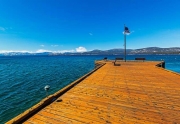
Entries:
{"x":135,"y":92}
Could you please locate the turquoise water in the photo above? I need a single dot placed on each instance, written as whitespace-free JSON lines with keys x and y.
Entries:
{"x":22,"y":78}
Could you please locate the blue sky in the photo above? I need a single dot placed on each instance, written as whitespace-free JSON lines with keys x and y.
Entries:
{"x":80,"y":25}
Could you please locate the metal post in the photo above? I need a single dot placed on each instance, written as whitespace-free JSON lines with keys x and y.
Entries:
{"x":124,"y":44}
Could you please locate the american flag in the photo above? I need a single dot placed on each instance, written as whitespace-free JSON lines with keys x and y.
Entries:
{"x":126,"y":30}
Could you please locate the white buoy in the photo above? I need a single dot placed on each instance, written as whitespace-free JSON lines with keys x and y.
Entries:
{"x":46,"y":88}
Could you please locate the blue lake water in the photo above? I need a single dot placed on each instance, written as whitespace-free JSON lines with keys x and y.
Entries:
{"x":22,"y":78}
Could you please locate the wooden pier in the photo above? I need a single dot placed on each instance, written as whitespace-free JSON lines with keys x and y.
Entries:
{"x":134,"y":92}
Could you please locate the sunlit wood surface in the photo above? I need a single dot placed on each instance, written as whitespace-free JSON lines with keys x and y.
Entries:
{"x":132,"y":93}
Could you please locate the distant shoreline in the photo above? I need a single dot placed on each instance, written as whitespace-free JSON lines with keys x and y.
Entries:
{"x":142,"y":51}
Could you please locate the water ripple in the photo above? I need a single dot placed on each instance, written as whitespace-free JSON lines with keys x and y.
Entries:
{"x":22,"y":79}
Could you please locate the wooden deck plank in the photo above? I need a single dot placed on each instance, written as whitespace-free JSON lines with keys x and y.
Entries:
{"x":135,"y":92}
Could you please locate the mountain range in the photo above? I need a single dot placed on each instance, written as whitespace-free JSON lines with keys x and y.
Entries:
{"x":148,"y":50}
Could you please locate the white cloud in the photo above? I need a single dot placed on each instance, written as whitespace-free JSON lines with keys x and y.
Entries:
{"x":81,"y":49}
{"x":42,"y":45}
{"x":38,"y":51}
{"x":2,"y":29}
{"x":11,"y":51}
{"x":42,"y":50}
{"x":90,"y":34}
{"x":54,"y":45}
{"x":59,"y":51}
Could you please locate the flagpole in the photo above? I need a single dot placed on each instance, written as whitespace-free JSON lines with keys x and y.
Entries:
{"x":124,"y":44}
